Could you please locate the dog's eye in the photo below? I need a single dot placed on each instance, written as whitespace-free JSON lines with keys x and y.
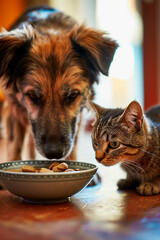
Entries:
{"x":73,"y":95}
{"x":34,"y":97}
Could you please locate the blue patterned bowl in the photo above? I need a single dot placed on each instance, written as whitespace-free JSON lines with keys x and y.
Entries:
{"x":45,"y":187}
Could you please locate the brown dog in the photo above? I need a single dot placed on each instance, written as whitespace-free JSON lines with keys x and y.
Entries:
{"x":48,"y":64}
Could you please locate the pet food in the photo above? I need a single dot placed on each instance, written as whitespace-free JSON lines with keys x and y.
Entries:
{"x":28,"y":169}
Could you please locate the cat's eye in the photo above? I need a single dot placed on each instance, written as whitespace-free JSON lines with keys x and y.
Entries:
{"x":114,"y":145}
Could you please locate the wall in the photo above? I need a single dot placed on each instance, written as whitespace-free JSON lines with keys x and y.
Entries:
{"x":10,"y":10}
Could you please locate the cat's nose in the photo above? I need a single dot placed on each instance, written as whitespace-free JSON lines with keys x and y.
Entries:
{"x":100,"y":155}
{"x":99,"y":159}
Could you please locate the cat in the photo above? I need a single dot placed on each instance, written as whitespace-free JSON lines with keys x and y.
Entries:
{"x":132,"y":138}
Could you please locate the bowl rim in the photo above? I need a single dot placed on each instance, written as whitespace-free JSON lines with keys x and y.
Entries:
{"x":22,"y":162}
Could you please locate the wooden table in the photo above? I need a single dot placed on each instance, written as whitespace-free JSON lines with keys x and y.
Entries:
{"x":97,"y":213}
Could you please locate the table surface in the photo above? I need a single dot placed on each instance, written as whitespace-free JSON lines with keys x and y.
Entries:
{"x":99,"y":212}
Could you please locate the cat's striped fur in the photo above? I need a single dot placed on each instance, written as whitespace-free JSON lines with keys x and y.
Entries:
{"x":133,"y":138}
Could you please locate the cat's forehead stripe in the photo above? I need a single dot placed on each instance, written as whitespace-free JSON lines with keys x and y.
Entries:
{"x":107,"y":138}
{"x":114,"y":136}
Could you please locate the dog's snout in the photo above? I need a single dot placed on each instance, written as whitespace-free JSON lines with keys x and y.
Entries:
{"x":55,"y":147}
{"x":52,"y":151}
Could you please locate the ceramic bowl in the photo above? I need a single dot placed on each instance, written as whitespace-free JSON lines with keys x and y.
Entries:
{"x":45,"y":187}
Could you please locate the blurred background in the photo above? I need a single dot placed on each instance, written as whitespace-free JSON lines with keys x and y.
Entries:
{"x":134,"y":73}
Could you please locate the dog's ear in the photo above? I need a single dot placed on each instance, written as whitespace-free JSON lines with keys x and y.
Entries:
{"x":13,"y":47}
{"x":98,"y":48}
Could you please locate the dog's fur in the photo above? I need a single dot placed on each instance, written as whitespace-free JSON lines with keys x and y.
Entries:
{"x":48,"y":65}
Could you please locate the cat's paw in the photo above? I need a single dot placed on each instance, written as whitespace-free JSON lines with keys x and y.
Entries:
{"x":125,"y":184}
{"x":148,"y":189}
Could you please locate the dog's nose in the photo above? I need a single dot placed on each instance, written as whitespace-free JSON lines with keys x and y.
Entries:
{"x":53,"y":152}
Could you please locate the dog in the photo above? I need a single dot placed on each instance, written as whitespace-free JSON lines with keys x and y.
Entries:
{"x":48,"y":66}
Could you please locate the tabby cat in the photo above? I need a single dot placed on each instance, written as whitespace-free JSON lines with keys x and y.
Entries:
{"x":132,"y":138}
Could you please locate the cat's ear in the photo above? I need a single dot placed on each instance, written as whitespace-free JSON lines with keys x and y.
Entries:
{"x":132,"y":116}
{"x":98,"y":110}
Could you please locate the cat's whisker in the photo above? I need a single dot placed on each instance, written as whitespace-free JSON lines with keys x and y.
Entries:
{"x":134,"y":164}
{"x":147,"y":152}
{"x":129,"y":170}
{"x":136,"y":172}
{"x":133,"y":168}
{"x":139,"y":168}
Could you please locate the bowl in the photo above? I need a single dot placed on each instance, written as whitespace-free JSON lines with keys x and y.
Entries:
{"x":45,"y":187}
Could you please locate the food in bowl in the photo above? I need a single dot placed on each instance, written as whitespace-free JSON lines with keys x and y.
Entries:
{"x":46,"y":187}
{"x":54,"y":167}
